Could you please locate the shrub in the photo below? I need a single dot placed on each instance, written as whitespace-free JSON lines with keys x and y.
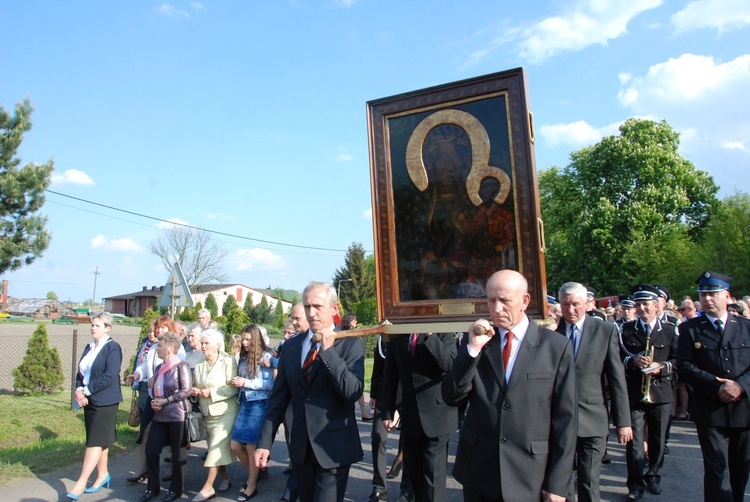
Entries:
{"x":40,"y":371}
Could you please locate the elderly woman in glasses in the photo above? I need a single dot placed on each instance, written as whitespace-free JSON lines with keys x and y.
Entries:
{"x":218,"y":402}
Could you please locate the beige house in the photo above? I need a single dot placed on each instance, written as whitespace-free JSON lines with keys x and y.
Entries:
{"x":135,"y":304}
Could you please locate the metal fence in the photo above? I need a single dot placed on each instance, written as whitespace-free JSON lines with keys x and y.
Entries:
{"x":70,"y":340}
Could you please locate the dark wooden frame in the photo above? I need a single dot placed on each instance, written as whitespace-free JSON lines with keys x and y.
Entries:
{"x":401,"y":120}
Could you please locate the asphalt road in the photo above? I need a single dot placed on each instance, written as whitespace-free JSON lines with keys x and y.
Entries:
{"x":682,"y":475}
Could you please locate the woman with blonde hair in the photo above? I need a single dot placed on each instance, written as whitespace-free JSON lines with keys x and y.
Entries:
{"x":98,"y":393}
{"x":254,"y":382}
{"x":212,"y":388}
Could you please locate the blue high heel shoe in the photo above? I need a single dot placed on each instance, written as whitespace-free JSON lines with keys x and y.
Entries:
{"x":73,"y":496}
{"x":94,"y":489}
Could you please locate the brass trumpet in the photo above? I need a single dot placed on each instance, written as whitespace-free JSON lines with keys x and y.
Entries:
{"x":646,"y":379}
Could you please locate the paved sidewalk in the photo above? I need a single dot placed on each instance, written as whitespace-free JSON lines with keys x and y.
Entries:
{"x":682,"y":475}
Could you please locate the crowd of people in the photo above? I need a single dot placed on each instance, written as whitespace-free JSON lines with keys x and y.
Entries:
{"x":533,"y":402}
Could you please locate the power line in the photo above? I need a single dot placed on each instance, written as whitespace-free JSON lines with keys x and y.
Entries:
{"x":235,"y":236}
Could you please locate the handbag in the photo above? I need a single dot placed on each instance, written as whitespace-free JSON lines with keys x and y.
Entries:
{"x":195,"y":426}
{"x":134,"y":418}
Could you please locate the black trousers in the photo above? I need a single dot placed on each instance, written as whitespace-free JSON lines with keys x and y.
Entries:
{"x":726,"y":462}
{"x":428,"y":465}
{"x":657,"y":418}
{"x":172,"y":434}
{"x":316,"y":484}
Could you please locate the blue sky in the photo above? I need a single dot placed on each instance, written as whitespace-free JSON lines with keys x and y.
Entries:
{"x":249,"y":117}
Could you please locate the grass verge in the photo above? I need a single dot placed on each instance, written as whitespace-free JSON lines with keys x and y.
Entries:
{"x":40,"y":434}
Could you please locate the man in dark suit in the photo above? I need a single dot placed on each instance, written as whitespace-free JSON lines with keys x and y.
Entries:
{"x":418,"y":363}
{"x":712,"y":357}
{"x":322,"y":377}
{"x":597,"y":354}
{"x":650,"y":403}
{"x":518,"y":439}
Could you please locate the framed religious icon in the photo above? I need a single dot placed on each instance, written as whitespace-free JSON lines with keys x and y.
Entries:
{"x":455,"y":198}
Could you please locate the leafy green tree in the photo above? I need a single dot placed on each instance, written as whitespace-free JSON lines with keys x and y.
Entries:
{"x":189,"y":314}
{"x":211,"y":305}
{"x":726,"y":242}
{"x":278,"y":312}
{"x":52,"y":295}
{"x":21,"y":194}
{"x":354,"y":281}
{"x":236,"y":319}
{"x":262,"y":313}
{"x":40,"y":371}
{"x":615,"y":200}
{"x":198,"y":306}
{"x":229,"y":304}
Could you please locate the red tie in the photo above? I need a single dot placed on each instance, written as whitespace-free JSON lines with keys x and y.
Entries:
{"x":507,"y":349}
{"x":312,"y":354}
{"x":413,"y":344}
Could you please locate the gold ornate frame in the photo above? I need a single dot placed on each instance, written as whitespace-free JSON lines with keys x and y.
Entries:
{"x":455,"y":198}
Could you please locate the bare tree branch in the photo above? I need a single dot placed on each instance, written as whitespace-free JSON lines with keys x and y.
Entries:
{"x":200,"y":257}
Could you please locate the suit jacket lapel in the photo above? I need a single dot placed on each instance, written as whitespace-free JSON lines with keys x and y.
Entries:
{"x":708,"y":329}
{"x":494,"y":354}
{"x":729,"y":330}
{"x":526,"y":354}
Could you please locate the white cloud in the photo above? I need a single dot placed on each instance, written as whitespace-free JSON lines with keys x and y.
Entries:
{"x":257,"y":259}
{"x":344,"y":157}
{"x":168,"y":10}
{"x":576,"y":133}
{"x":197,"y":6}
{"x":585,"y":23}
{"x":124,"y":244}
{"x":167,"y":225}
{"x":735,"y":145}
{"x":367,"y":213}
{"x":722,"y":15}
{"x":705,"y":100}
{"x":687,"y":78}
{"x":71,"y":177}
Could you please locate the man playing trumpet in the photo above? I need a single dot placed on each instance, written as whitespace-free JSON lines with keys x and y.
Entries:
{"x":648,"y":344}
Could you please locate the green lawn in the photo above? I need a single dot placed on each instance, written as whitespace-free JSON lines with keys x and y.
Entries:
{"x":41,"y":434}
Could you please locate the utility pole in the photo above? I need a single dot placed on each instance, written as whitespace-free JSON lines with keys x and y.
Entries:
{"x":93,"y":298}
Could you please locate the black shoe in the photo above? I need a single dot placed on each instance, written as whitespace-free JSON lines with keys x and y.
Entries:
{"x":171,"y":496}
{"x":406,"y":496}
{"x":147,"y":496}
{"x":377,"y":495}
{"x":666,"y":450}
{"x":395,"y":469}
{"x":167,"y":459}
{"x":635,"y":494}
{"x":606,"y":459}
{"x":654,"y":487}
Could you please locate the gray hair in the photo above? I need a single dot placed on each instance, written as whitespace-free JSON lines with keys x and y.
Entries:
{"x":104,"y":317}
{"x":330,"y":291}
{"x":195,"y":327}
{"x":204,"y":311}
{"x":214,"y":337}
{"x":572,"y":288}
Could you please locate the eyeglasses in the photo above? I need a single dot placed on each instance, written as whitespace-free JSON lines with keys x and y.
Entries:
{"x":682,"y":309}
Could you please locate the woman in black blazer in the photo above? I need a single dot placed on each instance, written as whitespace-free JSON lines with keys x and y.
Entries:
{"x":98,"y":393}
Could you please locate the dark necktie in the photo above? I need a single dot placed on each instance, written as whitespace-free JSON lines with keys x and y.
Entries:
{"x":413,"y":344}
{"x":507,"y":349}
{"x":312,"y":354}
{"x":574,"y":338}
{"x":720,"y":327}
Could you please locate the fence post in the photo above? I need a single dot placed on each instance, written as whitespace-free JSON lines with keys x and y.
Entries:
{"x":73,"y":368}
